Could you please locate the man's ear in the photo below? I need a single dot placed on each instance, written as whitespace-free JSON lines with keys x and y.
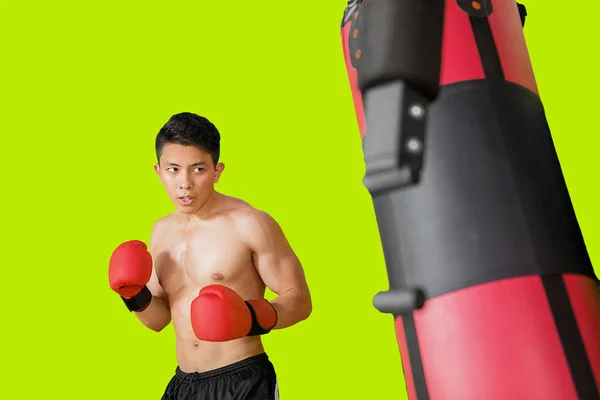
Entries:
{"x":218,"y":171}
{"x":157,"y":170}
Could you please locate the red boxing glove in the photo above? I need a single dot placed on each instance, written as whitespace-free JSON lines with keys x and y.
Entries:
{"x":130,"y":268}
{"x":219,"y":314}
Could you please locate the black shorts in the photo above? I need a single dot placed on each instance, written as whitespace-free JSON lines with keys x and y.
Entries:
{"x":250,"y":379}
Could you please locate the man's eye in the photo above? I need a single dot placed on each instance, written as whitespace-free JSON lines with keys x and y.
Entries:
{"x":172,"y":169}
{"x":199,"y":169}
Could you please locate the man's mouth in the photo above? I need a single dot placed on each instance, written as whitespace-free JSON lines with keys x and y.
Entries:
{"x":185,"y":200}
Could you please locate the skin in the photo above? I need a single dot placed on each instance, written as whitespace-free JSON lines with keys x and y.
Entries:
{"x":217,"y":239}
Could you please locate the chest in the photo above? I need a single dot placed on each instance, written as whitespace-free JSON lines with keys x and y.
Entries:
{"x":200,"y":257}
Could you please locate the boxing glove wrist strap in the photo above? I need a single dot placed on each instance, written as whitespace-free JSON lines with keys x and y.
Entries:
{"x":264,"y":317}
{"x":140,"y":301}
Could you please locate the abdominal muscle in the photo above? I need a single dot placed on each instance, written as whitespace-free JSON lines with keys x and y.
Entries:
{"x":194,"y":355}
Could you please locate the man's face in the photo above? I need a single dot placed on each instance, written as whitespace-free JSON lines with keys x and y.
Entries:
{"x":188,"y":175}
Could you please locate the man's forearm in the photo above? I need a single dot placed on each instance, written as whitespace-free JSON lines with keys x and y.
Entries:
{"x":156,"y":316}
{"x":292,"y":307}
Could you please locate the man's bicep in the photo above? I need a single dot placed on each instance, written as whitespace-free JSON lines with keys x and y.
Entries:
{"x":280,"y":271}
{"x":154,"y":283}
{"x":276,"y":262}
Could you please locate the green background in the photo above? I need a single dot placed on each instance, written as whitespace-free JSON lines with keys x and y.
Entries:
{"x":85,"y":87}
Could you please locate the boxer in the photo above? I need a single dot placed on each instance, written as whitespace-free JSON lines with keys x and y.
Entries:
{"x":206,"y":270}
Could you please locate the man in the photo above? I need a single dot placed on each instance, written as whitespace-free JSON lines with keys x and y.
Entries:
{"x":206,"y":270}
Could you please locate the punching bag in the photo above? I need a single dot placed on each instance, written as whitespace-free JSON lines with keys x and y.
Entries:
{"x":491,"y":287}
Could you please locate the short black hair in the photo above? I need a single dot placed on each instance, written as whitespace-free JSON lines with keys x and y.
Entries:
{"x":189,"y":129}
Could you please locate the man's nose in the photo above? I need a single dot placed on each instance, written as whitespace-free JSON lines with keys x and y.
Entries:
{"x":185,"y":182}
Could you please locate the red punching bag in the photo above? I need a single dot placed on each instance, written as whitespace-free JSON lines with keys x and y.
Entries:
{"x":491,"y":287}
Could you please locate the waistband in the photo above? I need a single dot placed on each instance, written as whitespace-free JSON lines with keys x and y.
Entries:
{"x":227,"y":369}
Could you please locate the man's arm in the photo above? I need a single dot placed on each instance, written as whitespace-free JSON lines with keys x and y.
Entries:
{"x":279,"y":268}
{"x":157,"y":315}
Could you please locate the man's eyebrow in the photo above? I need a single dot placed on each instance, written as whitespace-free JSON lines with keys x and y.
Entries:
{"x":196,"y":164}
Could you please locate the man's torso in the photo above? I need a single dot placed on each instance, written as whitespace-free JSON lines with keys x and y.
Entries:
{"x":187,"y":258}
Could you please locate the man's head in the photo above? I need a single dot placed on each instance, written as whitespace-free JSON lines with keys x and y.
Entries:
{"x":187,"y":151}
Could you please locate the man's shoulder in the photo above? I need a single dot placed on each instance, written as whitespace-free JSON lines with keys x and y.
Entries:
{"x":246,"y":218}
{"x":243,"y":211}
{"x":162,"y":223}
{"x":251,"y":221}
{"x":237,"y":209}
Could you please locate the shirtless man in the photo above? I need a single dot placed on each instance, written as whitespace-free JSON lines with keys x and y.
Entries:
{"x":206,"y":270}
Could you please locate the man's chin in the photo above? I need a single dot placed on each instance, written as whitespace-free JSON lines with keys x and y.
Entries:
{"x":185,"y":209}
